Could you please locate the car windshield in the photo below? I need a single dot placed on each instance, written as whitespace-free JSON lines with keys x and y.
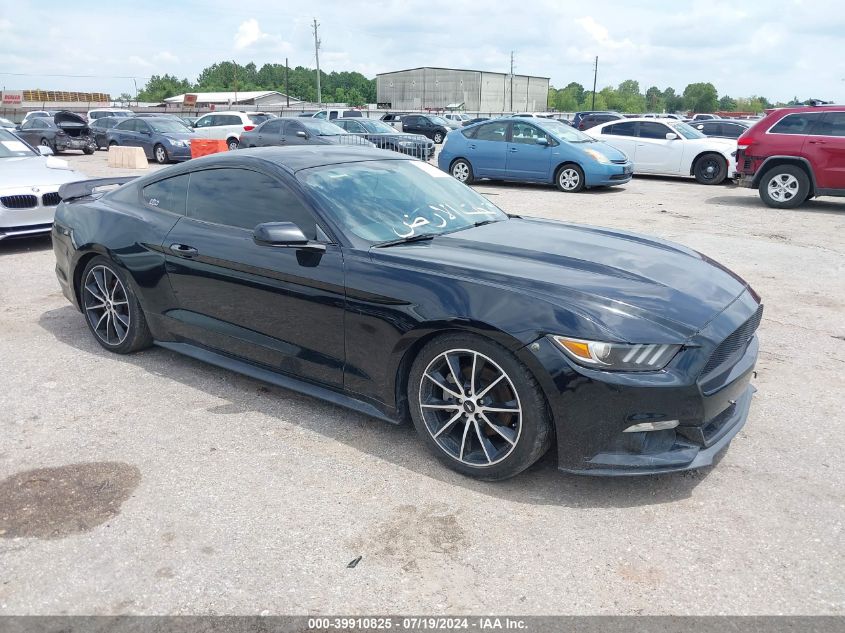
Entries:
{"x":11,"y":146}
{"x":165,"y":126}
{"x":686,"y":131}
{"x":323,"y":128}
{"x":563,"y":131}
{"x":438,"y":120}
{"x":382,"y":201}
{"x":377,"y":127}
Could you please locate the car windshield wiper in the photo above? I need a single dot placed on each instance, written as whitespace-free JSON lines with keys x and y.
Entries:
{"x":483,"y":222}
{"x":406,"y":240}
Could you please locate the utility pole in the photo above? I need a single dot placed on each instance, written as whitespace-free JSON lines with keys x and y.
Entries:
{"x":595,"y":75}
{"x":287,"y":90}
{"x":317,"y":57}
{"x":235,"y":69}
{"x":511,"y":82}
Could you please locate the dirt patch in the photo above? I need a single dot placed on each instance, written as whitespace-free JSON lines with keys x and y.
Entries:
{"x":57,"y":502}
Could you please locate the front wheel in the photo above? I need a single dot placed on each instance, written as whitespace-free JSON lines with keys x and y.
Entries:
{"x":111,"y":309}
{"x":710,"y":169}
{"x":461,"y":170}
{"x":160,"y":154}
{"x":570,"y":178}
{"x":784,"y":187}
{"x":438,"y":137}
{"x":233,"y":144}
{"x":477,"y":408}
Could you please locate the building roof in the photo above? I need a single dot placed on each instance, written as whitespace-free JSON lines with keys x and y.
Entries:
{"x":461,"y":70}
{"x":226,"y":97}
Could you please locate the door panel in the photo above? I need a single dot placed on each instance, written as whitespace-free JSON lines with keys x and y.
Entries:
{"x":280,"y":307}
{"x":825,"y":148}
{"x":526,"y":160}
{"x":655,"y":154}
{"x":488,"y":150}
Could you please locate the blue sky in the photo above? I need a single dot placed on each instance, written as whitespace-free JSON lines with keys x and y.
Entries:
{"x":776,"y":48}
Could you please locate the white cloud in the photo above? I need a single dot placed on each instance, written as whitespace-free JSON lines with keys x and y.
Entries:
{"x":249,"y":33}
{"x":165,"y":57}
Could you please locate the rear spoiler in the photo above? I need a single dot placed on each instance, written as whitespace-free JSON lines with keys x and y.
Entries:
{"x":87,"y":188}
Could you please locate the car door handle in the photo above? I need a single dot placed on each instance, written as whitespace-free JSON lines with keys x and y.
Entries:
{"x":513,"y":149}
{"x":183,"y":250}
{"x":817,"y":142}
{"x":472,"y":146}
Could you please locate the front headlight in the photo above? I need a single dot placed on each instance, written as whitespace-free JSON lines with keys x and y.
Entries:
{"x":617,"y":356}
{"x":598,"y":156}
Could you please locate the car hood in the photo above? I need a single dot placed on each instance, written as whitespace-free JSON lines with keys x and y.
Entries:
{"x":179,"y":136}
{"x":608,"y":150}
{"x":612,"y":278}
{"x":26,"y":171}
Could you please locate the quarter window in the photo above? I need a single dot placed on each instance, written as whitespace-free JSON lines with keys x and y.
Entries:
{"x":243,"y":198}
{"x":168,"y":194}
{"x":492,"y":131}
{"x":798,"y":123}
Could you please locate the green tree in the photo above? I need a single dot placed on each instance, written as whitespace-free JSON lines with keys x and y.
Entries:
{"x":701,"y":97}
{"x":654,"y":100}
{"x":672,"y":102}
{"x":727,"y":104}
{"x":159,"y":87}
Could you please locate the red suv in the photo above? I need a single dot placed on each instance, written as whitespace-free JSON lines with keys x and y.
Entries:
{"x":794,"y":154}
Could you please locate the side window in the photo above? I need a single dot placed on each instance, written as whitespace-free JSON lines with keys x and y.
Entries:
{"x":711,"y":129}
{"x":798,"y":123}
{"x":492,"y":131}
{"x":320,"y":115}
{"x":526,"y":134}
{"x":354,"y":126}
{"x":831,"y":124}
{"x":292,"y":127}
{"x":413,"y":121}
{"x":653,"y":130}
{"x":126,"y":126}
{"x":343,"y":124}
{"x":28,"y":125}
{"x":273,"y":126}
{"x":622,"y":129}
{"x":143,"y":126}
{"x":333,"y":115}
{"x":204,"y":121}
{"x":168,"y":194}
{"x":243,"y":198}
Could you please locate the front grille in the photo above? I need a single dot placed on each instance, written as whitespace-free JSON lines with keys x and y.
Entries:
{"x":19,"y":202}
{"x":735,"y":343}
{"x":51,"y":199}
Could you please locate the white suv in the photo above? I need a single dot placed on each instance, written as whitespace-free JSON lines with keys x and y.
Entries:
{"x":228,"y":126}
{"x":101,"y":113}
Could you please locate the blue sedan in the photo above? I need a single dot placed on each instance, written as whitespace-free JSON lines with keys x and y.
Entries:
{"x":539,"y":150}
{"x":163,"y":139}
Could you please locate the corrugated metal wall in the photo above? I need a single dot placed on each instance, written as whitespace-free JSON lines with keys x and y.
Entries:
{"x":436,"y":88}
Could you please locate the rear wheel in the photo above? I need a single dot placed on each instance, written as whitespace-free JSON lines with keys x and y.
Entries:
{"x":44,"y":142}
{"x":570,"y":178}
{"x":710,"y":169}
{"x":438,"y":137}
{"x":233,"y":144}
{"x":784,"y":187}
{"x":160,"y":154}
{"x":477,"y":408}
{"x":111,"y":309}
{"x":461,"y":170}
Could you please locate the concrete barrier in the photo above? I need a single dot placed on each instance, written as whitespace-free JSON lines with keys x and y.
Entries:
{"x":127,"y":157}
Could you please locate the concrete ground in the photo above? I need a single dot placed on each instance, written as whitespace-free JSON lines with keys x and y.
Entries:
{"x":165,"y":486}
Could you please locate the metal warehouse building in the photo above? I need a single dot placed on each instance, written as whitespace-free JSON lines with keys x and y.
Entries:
{"x":479,"y":91}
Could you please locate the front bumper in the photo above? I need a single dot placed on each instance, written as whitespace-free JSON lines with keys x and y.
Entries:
{"x":601,"y":175}
{"x":177,"y":153}
{"x":591,"y":409}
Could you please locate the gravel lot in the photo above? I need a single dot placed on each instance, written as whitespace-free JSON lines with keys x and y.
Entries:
{"x":179,"y":488}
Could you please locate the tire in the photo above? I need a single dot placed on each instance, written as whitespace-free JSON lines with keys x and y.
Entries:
{"x":784,"y":187}
{"x":160,"y":154}
{"x":437,"y":138}
{"x":113,"y":144}
{"x":117,"y":322}
{"x":452,"y":426}
{"x":89,"y":150}
{"x":570,"y":178}
{"x":710,"y":169}
{"x":47,"y":143}
{"x":461,"y":171}
{"x":233,"y":144}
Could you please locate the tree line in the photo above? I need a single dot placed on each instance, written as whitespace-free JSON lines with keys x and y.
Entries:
{"x":626,"y":97}
{"x":355,"y":89}
{"x":335,"y":87}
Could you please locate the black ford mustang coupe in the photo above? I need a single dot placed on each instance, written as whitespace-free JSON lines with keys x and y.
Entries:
{"x":377,"y":282}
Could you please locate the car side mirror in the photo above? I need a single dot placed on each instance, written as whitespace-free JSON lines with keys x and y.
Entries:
{"x":44,"y":150}
{"x":671,"y":136}
{"x":302,"y":134}
{"x":284,"y":235}
{"x":542,"y":141}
